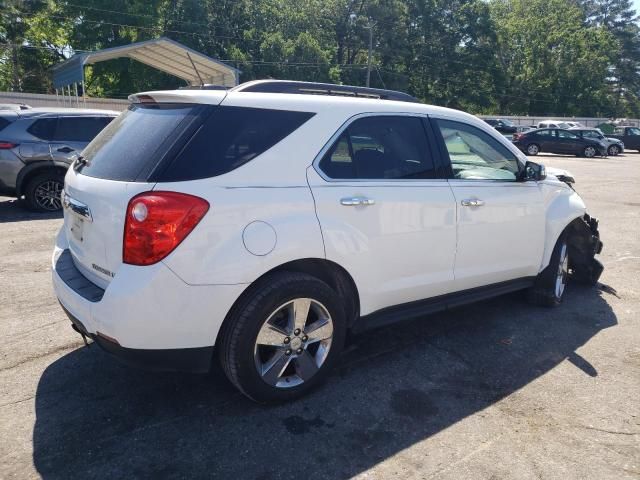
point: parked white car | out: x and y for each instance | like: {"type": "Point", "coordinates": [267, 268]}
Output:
{"type": "Point", "coordinates": [556, 124]}
{"type": "Point", "coordinates": [267, 221]}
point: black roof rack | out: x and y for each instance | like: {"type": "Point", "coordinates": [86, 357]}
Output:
{"type": "Point", "coordinates": [312, 88]}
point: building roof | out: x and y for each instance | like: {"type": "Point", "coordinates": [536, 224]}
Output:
{"type": "Point", "coordinates": [163, 54]}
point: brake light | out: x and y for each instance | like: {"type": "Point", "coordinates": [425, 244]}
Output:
{"type": "Point", "coordinates": [157, 222]}
{"type": "Point", "coordinates": [7, 145]}
{"type": "Point", "coordinates": [517, 136]}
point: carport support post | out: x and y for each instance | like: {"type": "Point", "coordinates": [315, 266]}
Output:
{"type": "Point", "coordinates": [57, 99]}
{"type": "Point", "coordinates": [84, 95]}
{"type": "Point", "coordinates": [69, 94]}
{"type": "Point", "coordinates": [75, 88]}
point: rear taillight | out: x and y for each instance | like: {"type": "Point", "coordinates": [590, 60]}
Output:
{"type": "Point", "coordinates": [517, 136]}
{"type": "Point", "coordinates": [157, 222]}
{"type": "Point", "coordinates": [7, 145]}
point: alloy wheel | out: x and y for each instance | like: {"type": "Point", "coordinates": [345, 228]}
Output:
{"type": "Point", "coordinates": [590, 152]}
{"type": "Point", "coordinates": [563, 272]}
{"type": "Point", "coordinates": [48, 195]}
{"type": "Point", "coordinates": [614, 150]}
{"type": "Point", "coordinates": [293, 343]}
{"type": "Point", "coordinates": [533, 149]}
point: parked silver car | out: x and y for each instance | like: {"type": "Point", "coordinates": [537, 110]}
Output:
{"type": "Point", "coordinates": [614, 145]}
{"type": "Point", "coordinates": [38, 145]}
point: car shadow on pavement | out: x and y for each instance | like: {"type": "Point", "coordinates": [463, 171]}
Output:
{"type": "Point", "coordinates": [394, 387]}
{"type": "Point", "coordinates": [12, 211]}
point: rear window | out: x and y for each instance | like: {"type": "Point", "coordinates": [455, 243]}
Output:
{"type": "Point", "coordinates": [137, 140]}
{"type": "Point", "coordinates": [178, 142]}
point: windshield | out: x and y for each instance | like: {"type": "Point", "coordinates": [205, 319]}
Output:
{"type": "Point", "coordinates": [508, 123]}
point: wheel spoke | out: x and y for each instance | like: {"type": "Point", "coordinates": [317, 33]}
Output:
{"type": "Point", "coordinates": [319, 330]}
{"type": "Point", "coordinates": [306, 366]}
{"type": "Point", "coordinates": [274, 368]}
{"type": "Point", "coordinates": [300, 312]}
{"type": "Point", "coordinates": [271, 335]}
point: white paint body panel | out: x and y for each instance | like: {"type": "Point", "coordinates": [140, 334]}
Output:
{"type": "Point", "coordinates": [398, 250]}
{"type": "Point", "coordinates": [502, 239]}
{"type": "Point", "coordinates": [150, 307]}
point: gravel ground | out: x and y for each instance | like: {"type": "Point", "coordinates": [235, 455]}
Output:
{"type": "Point", "coordinates": [498, 389]}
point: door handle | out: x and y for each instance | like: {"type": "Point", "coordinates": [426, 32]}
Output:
{"type": "Point", "coordinates": [357, 201]}
{"type": "Point", "coordinates": [472, 202]}
{"type": "Point", "coordinates": [66, 149]}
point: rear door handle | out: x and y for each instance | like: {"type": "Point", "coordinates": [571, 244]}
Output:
{"type": "Point", "coordinates": [356, 201]}
{"type": "Point", "coordinates": [472, 202]}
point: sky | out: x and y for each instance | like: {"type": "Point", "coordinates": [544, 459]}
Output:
{"type": "Point", "coordinates": [636, 4]}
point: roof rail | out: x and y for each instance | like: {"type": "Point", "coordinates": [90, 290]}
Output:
{"type": "Point", "coordinates": [206, 86]}
{"type": "Point", "coordinates": [313, 88]}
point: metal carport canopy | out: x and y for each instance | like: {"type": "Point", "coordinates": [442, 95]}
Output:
{"type": "Point", "coordinates": [162, 53]}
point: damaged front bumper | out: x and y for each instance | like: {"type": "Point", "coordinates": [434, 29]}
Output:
{"type": "Point", "coordinates": [584, 244]}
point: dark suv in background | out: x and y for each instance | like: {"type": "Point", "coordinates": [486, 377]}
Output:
{"type": "Point", "coordinates": [38, 145]}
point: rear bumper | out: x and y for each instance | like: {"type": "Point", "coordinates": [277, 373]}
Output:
{"type": "Point", "coordinates": [146, 316]}
{"type": "Point", "coordinates": [193, 360]}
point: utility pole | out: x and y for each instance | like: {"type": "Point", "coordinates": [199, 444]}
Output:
{"type": "Point", "coordinates": [369, 26]}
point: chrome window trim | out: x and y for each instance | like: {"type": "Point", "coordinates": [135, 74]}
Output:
{"type": "Point", "coordinates": [316, 161]}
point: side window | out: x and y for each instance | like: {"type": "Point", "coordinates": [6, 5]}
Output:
{"type": "Point", "coordinates": [79, 129]}
{"type": "Point", "coordinates": [380, 147]}
{"type": "Point", "coordinates": [565, 134]}
{"type": "Point", "coordinates": [618, 131]}
{"type": "Point", "coordinates": [634, 131]}
{"type": "Point", "coordinates": [476, 155]}
{"type": "Point", "coordinates": [44, 129]}
{"type": "Point", "coordinates": [591, 134]}
{"type": "Point", "coordinates": [545, 133]}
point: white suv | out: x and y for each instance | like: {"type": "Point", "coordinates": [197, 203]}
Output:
{"type": "Point", "coordinates": [267, 221]}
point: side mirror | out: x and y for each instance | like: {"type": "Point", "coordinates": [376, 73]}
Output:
{"type": "Point", "coordinates": [534, 172]}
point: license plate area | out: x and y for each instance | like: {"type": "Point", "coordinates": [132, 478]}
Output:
{"type": "Point", "coordinates": [76, 227]}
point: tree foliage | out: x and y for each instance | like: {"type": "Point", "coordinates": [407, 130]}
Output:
{"type": "Point", "coordinates": [563, 57]}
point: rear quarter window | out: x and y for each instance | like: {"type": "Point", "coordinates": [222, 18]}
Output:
{"type": "Point", "coordinates": [79, 129]}
{"type": "Point", "coordinates": [229, 138]}
{"type": "Point", "coordinates": [44, 128]}
{"type": "Point", "coordinates": [3, 123]}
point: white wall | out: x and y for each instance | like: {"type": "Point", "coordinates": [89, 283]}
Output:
{"type": "Point", "coordinates": [41, 100]}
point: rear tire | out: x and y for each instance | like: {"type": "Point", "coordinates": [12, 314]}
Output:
{"type": "Point", "coordinates": [532, 149]}
{"type": "Point", "coordinates": [270, 351]}
{"type": "Point", "coordinates": [43, 191]}
{"type": "Point", "coordinates": [550, 284]}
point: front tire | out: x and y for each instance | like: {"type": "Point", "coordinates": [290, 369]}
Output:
{"type": "Point", "coordinates": [43, 192]}
{"type": "Point", "coordinates": [589, 151]}
{"type": "Point", "coordinates": [613, 150]}
{"type": "Point", "coordinates": [550, 284]}
{"type": "Point", "coordinates": [282, 337]}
